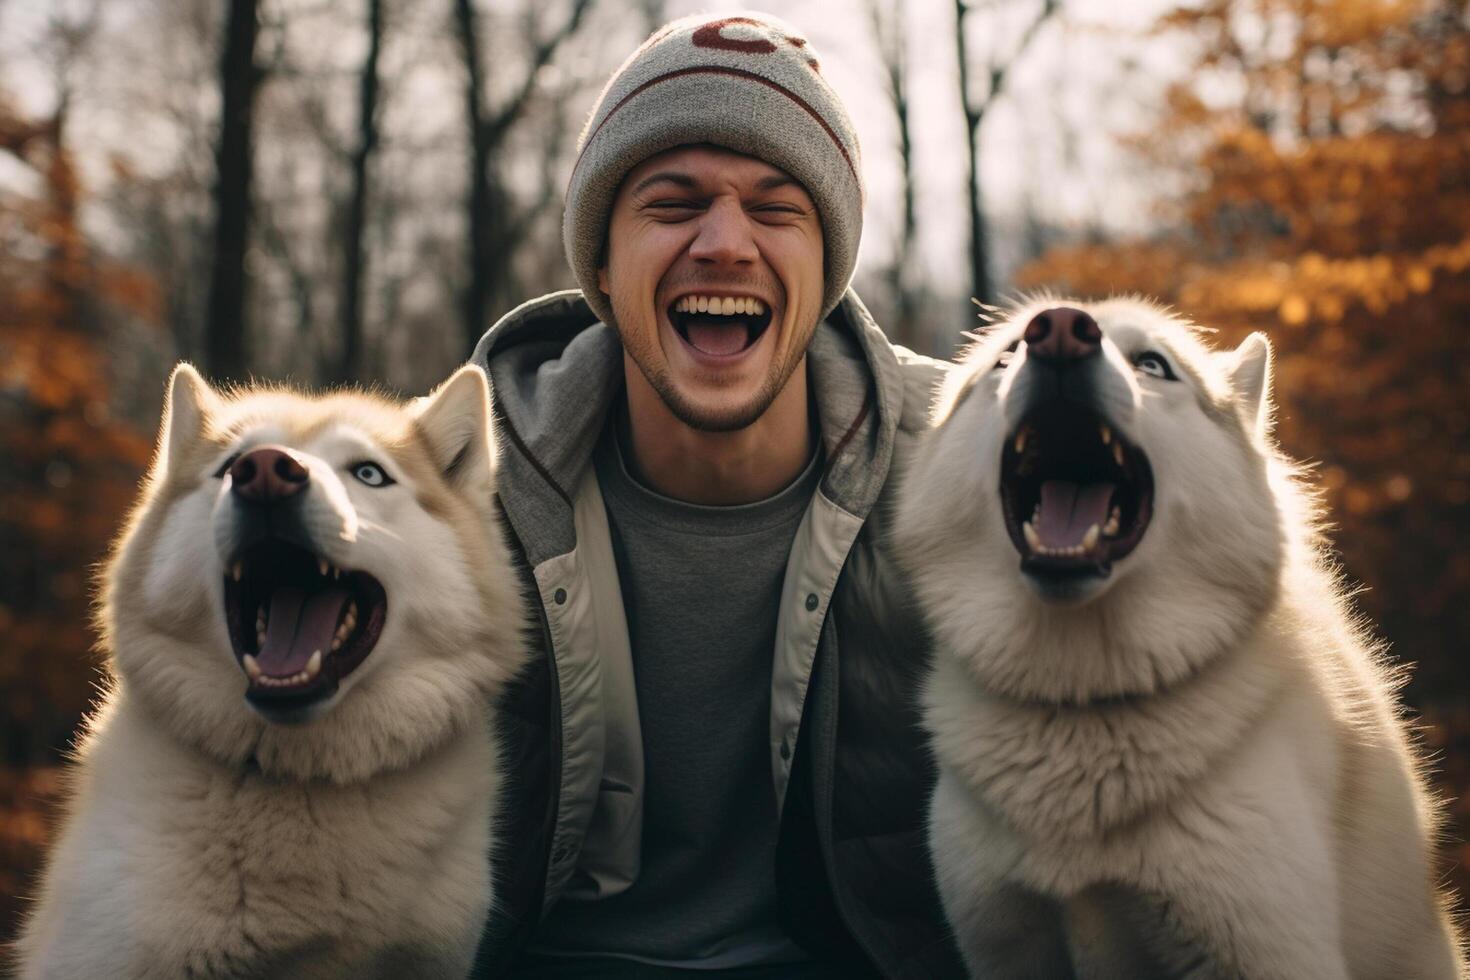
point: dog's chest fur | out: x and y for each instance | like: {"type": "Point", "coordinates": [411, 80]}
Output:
{"type": "Point", "coordinates": [244, 875]}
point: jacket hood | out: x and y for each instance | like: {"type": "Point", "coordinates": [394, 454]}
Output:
{"type": "Point", "coordinates": [555, 369]}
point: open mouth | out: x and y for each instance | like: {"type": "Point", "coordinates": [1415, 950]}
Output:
{"type": "Point", "coordinates": [298, 624]}
{"type": "Point", "coordinates": [720, 326]}
{"type": "Point", "coordinates": [1076, 496]}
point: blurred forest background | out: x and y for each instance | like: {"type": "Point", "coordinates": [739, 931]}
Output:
{"type": "Point", "coordinates": [333, 190]}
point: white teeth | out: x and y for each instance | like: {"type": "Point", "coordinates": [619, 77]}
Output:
{"type": "Point", "coordinates": [1106, 433]}
{"type": "Point", "coordinates": [1032, 539]}
{"type": "Point", "coordinates": [1089, 540]}
{"type": "Point", "coordinates": [1118, 453]}
{"type": "Point", "coordinates": [236, 571]}
{"type": "Point", "coordinates": [322, 566]}
{"type": "Point", "coordinates": [722, 305]}
{"type": "Point", "coordinates": [1021, 441]}
{"type": "Point", "coordinates": [1114, 520]}
{"type": "Point", "coordinates": [314, 665]}
{"type": "Point", "coordinates": [252, 667]}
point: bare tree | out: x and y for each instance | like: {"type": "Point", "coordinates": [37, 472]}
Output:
{"type": "Point", "coordinates": [225, 343]}
{"type": "Point", "coordinates": [976, 105]}
{"type": "Point", "coordinates": [891, 37]}
{"type": "Point", "coordinates": [492, 226]}
{"type": "Point", "coordinates": [349, 364]}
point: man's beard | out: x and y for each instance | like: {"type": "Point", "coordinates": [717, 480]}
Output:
{"type": "Point", "coordinates": [731, 419]}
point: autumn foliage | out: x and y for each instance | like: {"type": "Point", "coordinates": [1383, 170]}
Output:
{"type": "Point", "coordinates": [1328, 203]}
{"type": "Point", "coordinates": [69, 473]}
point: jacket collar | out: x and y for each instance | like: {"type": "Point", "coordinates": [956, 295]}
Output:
{"type": "Point", "coordinates": [555, 370]}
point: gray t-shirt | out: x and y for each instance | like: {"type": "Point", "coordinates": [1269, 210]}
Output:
{"type": "Point", "coordinates": [701, 586]}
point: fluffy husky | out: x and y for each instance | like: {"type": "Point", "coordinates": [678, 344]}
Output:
{"type": "Point", "coordinates": [1165, 748]}
{"type": "Point", "coordinates": [292, 773]}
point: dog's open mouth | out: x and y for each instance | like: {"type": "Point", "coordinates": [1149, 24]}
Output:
{"type": "Point", "coordinates": [720, 326]}
{"type": "Point", "coordinates": [298, 624]}
{"type": "Point", "coordinates": [1076, 496]}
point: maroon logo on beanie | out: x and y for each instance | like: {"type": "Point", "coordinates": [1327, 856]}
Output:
{"type": "Point", "coordinates": [711, 36]}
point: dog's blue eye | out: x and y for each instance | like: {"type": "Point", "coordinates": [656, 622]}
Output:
{"type": "Point", "coordinates": [372, 474]}
{"type": "Point", "coordinates": [1154, 365]}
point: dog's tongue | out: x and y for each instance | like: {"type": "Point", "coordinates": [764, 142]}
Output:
{"type": "Point", "coordinates": [1069, 509]}
{"type": "Point", "coordinates": [714, 337]}
{"type": "Point", "coordinates": [299, 624]}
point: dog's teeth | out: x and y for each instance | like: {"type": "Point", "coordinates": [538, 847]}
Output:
{"type": "Point", "coordinates": [236, 571]}
{"type": "Point", "coordinates": [336, 573]}
{"type": "Point", "coordinates": [322, 566]}
{"type": "Point", "coordinates": [1114, 520]}
{"type": "Point", "coordinates": [1118, 452]}
{"type": "Point", "coordinates": [314, 665]}
{"type": "Point", "coordinates": [252, 667]}
{"type": "Point", "coordinates": [1089, 540]}
{"type": "Point", "coordinates": [1020, 444]}
{"type": "Point", "coordinates": [1106, 433]}
{"type": "Point", "coordinates": [1031, 536]}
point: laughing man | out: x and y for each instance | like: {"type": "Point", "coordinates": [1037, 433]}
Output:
{"type": "Point", "coordinates": [716, 764]}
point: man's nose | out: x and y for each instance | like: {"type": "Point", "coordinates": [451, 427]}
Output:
{"type": "Point", "coordinates": [724, 236]}
{"type": "Point", "coordinates": [1063, 334]}
{"type": "Point", "coordinates": [267, 474]}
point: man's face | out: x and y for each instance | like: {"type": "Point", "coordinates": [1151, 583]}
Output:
{"type": "Point", "coordinates": [697, 231]}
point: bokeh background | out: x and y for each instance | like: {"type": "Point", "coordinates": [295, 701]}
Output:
{"type": "Point", "coordinates": [335, 190]}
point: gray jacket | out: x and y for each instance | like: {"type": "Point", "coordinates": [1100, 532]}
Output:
{"type": "Point", "coordinates": [851, 784]}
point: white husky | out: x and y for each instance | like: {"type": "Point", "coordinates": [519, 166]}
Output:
{"type": "Point", "coordinates": [1165, 748]}
{"type": "Point", "coordinates": [292, 774]}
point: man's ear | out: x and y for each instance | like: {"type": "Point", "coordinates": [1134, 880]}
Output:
{"type": "Point", "coordinates": [1250, 381]}
{"type": "Point", "coordinates": [186, 410]}
{"type": "Point", "coordinates": [455, 422]}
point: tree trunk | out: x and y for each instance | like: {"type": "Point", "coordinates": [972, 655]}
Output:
{"type": "Point", "coordinates": [999, 71]}
{"type": "Point", "coordinates": [494, 232]}
{"type": "Point", "coordinates": [350, 364]}
{"type": "Point", "coordinates": [225, 347]}
{"type": "Point", "coordinates": [979, 264]}
{"type": "Point", "coordinates": [475, 293]}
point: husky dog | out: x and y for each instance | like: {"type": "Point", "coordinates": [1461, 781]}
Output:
{"type": "Point", "coordinates": [292, 772]}
{"type": "Point", "coordinates": [1165, 747]}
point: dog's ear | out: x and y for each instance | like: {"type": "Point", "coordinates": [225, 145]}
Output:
{"type": "Point", "coordinates": [455, 421]}
{"type": "Point", "coordinates": [1250, 380]}
{"type": "Point", "coordinates": [186, 410]}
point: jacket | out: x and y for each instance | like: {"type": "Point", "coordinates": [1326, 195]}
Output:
{"type": "Point", "coordinates": [849, 763]}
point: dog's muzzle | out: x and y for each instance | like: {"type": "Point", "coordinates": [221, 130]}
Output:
{"type": "Point", "coordinates": [298, 623]}
{"type": "Point", "coordinates": [1076, 495]}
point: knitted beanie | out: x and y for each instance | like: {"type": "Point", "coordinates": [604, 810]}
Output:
{"type": "Point", "coordinates": [748, 83]}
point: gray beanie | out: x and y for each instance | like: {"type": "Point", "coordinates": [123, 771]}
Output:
{"type": "Point", "coordinates": [748, 83]}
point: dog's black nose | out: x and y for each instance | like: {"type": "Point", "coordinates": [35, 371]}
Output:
{"type": "Point", "coordinates": [1063, 334]}
{"type": "Point", "coordinates": [267, 474]}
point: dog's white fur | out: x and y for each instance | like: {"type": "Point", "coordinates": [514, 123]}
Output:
{"type": "Point", "coordinates": [202, 840]}
{"type": "Point", "coordinates": [1198, 769]}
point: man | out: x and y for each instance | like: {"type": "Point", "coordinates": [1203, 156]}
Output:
{"type": "Point", "coordinates": [716, 764]}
